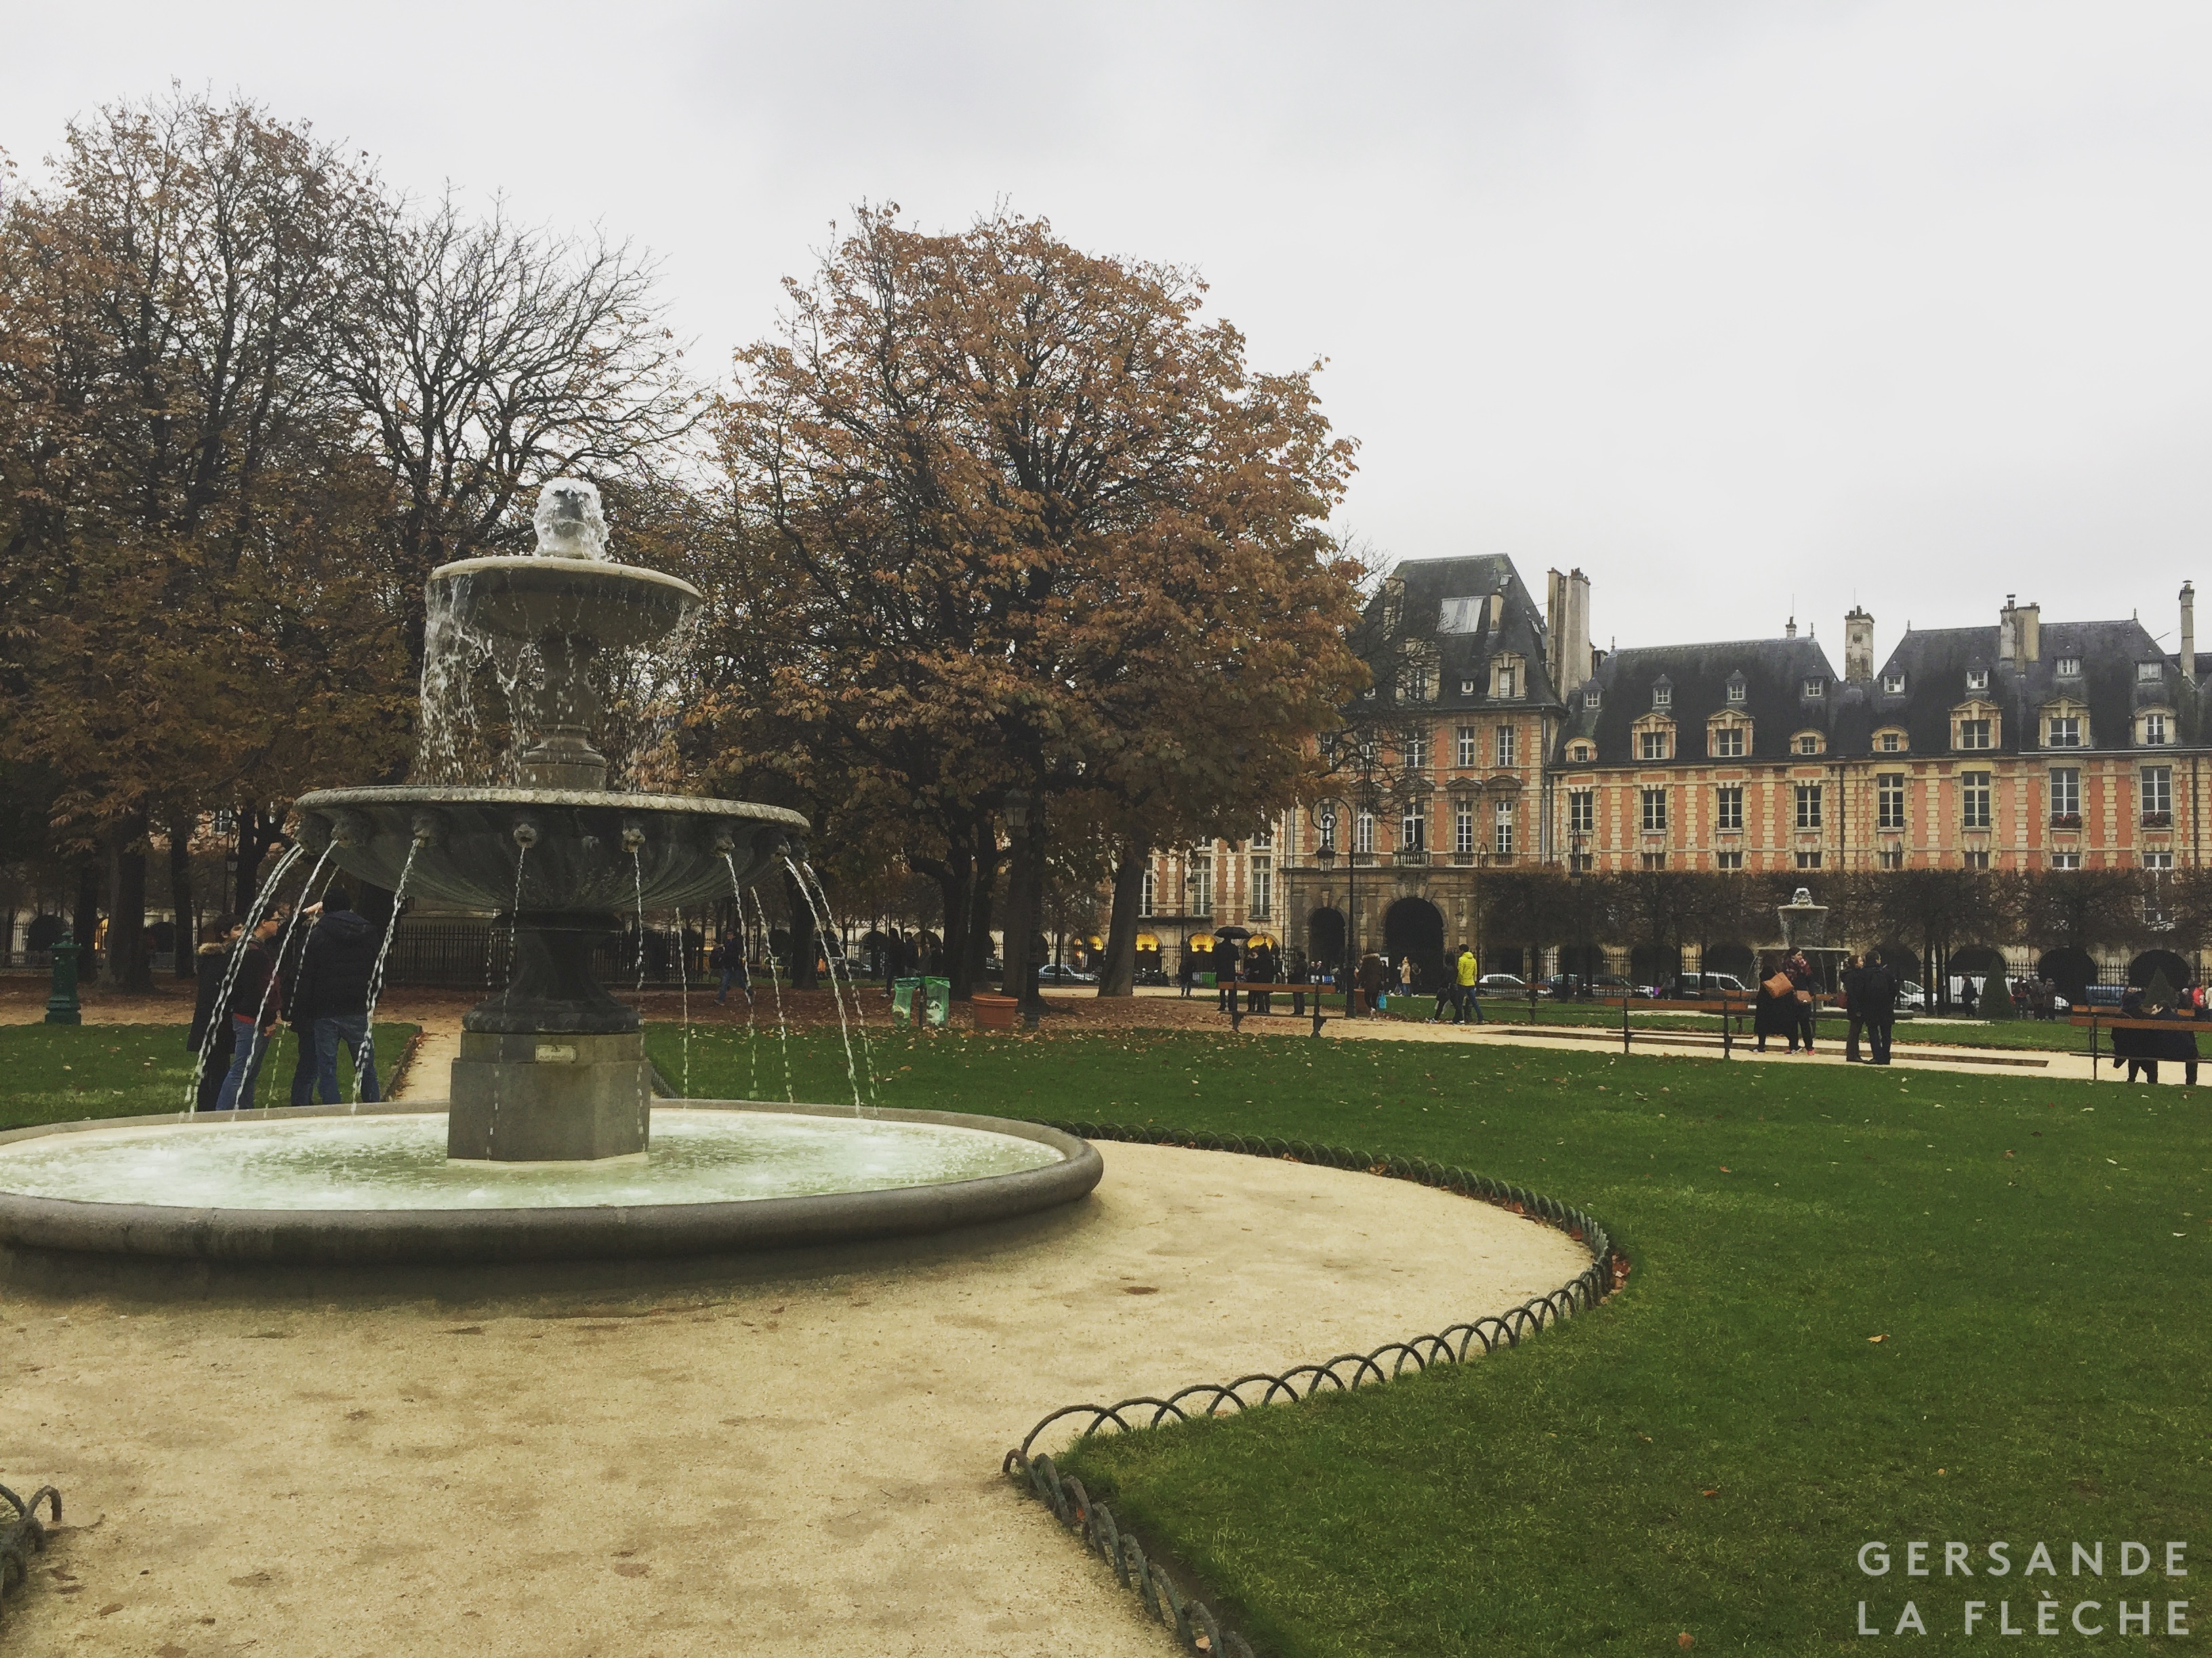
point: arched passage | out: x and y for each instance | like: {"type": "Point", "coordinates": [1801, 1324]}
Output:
{"type": "Point", "coordinates": [1414, 927]}
{"type": "Point", "coordinates": [1325, 937]}
{"type": "Point", "coordinates": [1654, 963]}
{"type": "Point", "coordinates": [2071, 969]}
{"type": "Point", "coordinates": [1735, 959]}
{"type": "Point", "coordinates": [2164, 963]}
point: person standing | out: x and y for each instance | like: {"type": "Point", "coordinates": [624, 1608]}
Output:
{"type": "Point", "coordinates": [1879, 992]}
{"type": "Point", "coordinates": [1801, 1002]}
{"type": "Point", "coordinates": [217, 939]}
{"type": "Point", "coordinates": [1855, 971]}
{"type": "Point", "coordinates": [332, 996]}
{"type": "Point", "coordinates": [253, 1008]}
{"type": "Point", "coordinates": [1463, 971]}
{"type": "Point", "coordinates": [728, 960]}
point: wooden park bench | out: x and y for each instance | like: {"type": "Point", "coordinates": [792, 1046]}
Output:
{"type": "Point", "coordinates": [2094, 1020]}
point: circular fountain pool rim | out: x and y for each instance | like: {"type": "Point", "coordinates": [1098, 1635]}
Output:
{"type": "Point", "coordinates": [379, 1237]}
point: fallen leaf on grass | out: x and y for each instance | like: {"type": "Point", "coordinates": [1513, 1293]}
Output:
{"type": "Point", "coordinates": [112, 1605]}
{"type": "Point", "coordinates": [1711, 1491]}
{"type": "Point", "coordinates": [1685, 1640]}
{"type": "Point", "coordinates": [1884, 1337]}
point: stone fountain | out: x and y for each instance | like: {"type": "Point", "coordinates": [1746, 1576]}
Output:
{"type": "Point", "coordinates": [547, 1149]}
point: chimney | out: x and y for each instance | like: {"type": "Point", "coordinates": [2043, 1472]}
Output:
{"type": "Point", "coordinates": [1496, 609]}
{"type": "Point", "coordinates": [2031, 633]}
{"type": "Point", "coordinates": [1566, 626]}
{"type": "Point", "coordinates": [2189, 633]}
{"type": "Point", "coordinates": [1790, 629]}
{"type": "Point", "coordinates": [2009, 630]}
{"type": "Point", "coordinates": [1858, 647]}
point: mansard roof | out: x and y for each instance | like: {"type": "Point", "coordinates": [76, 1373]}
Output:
{"type": "Point", "coordinates": [1424, 586]}
{"type": "Point", "coordinates": [1774, 672]}
{"type": "Point", "coordinates": [1935, 663]}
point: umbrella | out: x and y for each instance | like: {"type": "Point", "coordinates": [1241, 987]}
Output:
{"type": "Point", "coordinates": [1232, 933]}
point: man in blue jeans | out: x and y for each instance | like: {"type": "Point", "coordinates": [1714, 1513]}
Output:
{"type": "Point", "coordinates": [252, 1010]}
{"type": "Point", "coordinates": [331, 995]}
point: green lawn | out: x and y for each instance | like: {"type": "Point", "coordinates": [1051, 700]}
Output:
{"type": "Point", "coordinates": [63, 1073]}
{"type": "Point", "coordinates": [1933, 1032]}
{"type": "Point", "coordinates": [1706, 1453]}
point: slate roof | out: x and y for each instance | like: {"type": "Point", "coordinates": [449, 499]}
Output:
{"type": "Point", "coordinates": [1935, 662]}
{"type": "Point", "coordinates": [1774, 672]}
{"type": "Point", "coordinates": [1427, 584]}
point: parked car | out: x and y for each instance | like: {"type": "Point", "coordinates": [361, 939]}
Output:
{"type": "Point", "coordinates": [1502, 985]}
{"type": "Point", "coordinates": [1694, 987]}
{"type": "Point", "coordinates": [1912, 999]}
{"type": "Point", "coordinates": [1056, 973]}
{"type": "Point", "coordinates": [1151, 975]}
{"type": "Point", "coordinates": [1568, 985]}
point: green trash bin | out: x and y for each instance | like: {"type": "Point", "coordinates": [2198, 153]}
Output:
{"type": "Point", "coordinates": [936, 1001]}
{"type": "Point", "coordinates": [902, 991]}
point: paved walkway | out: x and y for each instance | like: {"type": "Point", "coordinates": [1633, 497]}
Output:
{"type": "Point", "coordinates": [804, 1461]}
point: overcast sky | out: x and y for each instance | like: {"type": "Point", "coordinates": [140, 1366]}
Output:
{"type": "Point", "coordinates": [1737, 307]}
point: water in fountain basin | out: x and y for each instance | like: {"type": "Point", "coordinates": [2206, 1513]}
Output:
{"type": "Point", "coordinates": [829, 957]}
{"type": "Point", "coordinates": [398, 1162]}
{"type": "Point", "coordinates": [220, 1016]}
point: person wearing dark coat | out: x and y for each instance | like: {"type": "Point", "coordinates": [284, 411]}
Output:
{"type": "Point", "coordinates": [1771, 1016]}
{"type": "Point", "coordinates": [1855, 971]}
{"type": "Point", "coordinates": [1878, 993]}
{"type": "Point", "coordinates": [1800, 1000]}
{"type": "Point", "coordinates": [331, 996]}
{"type": "Point", "coordinates": [2178, 1045]}
{"type": "Point", "coordinates": [254, 1005]}
{"type": "Point", "coordinates": [1373, 979]}
{"type": "Point", "coordinates": [217, 939]}
{"type": "Point", "coordinates": [2139, 1049]}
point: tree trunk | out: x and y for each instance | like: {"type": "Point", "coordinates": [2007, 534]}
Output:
{"type": "Point", "coordinates": [85, 924]}
{"type": "Point", "coordinates": [1118, 976]}
{"type": "Point", "coordinates": [125, 964]}
{"type": "Point", "coordinates": [803, 976]}
{"type": "Point", "coordinates": [953, 877]}
{"type": "Point", "coordinates": [180, 894]}
{"type": "Point", "coordinates": [1019, 929]}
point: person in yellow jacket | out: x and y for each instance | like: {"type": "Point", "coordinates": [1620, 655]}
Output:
{"type": "Point", "coordinates": [1463, 973]}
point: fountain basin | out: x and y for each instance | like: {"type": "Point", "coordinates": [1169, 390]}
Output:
{"type": "Point", "coordinates": [581, 841]}
{"type": "Point", "coordinates": [319, 1186]}
{"type": "Point", "coordinates": [527, 596]}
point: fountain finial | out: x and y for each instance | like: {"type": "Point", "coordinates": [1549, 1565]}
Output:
{"type": "Point", "coordinates": [569, 520]}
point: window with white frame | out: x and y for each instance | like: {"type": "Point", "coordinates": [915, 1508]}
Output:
{"type": "Point", "coordinates": [1463, 827]}
{"type": "Point", "coordinates": [1148, 901]}
{"type": "Point", "coordinates": [1466, 687]}
{"type": "Point", "coordinates": [1501, 842]}
{"type": "Point", "coordinates": [2069, 668]}
{"type": "Point", "coordinates": [1974, 733]}
{"type": "Point", "coordinates": [1197, 884]}
{"type": "Point", "coordinates": [1413, 746]}
{"type": "Point", "coordinates": [1413, 827]}
{"type": "Point", "coordinates": [1809, 859]}
{"type": "Point", "coordinates": [1892, 685]}
{"type": "Point", "coordinates": [1593, 698]}
{"type": "Point", "coordinates": [1973, 799]}
{"type": "Point", "coordinates": [1581, 810]}
{"type": "Point", "coordinates": [1808, 806]}
{"type": "Point", "coordinates": [1728, 860]}
{"type": "Point", "coordinates": [1509, 681]}
{"type": "Point", "coordinates": [1738, 691]}
{"type": "Point", "coordinates": [1662, 695]}
{"type": "Point", "coordinates": [1727, 742]}
{"type": "Point", "coordinates": [1509, 742]}
{"type": "Point", "coordinates": [1470, 747]}
{"type": "Point", "coordinates": [2065, 731]}
{"type": "Point", "coordinates": [1263, 890]}
{"type": "Point", "coordinates": [2065, 794]}
{"type": "Point", "coordinates": [2156, 733]}
{"type": "Point", "coordinates": [2158, 861]}
{"type": "Point", "coordinates": [2149, 673]}
{"type": "Point", "coordinates": [1263, 838]}
{"type": "Point", "coordinates": [2065, 860]}
{"type": "Point", "coordinates": [1973, 859]}
{"type": "Point", "coordinates": [2158, 794]}
{"type": "Point", "coordinates": [1890, 742]}
{"type": "Point", "coordinates": [1652, 743]}
{"type": "Point", "coordinates": [1977, 679]}
{"type": "Point", "coordinates": [1728, 808]}
{"type": "Point", "coordinates": [1655, 860]}
{"type": "Point", "coordinates": [1890, 857]}
{"type": "Point", "coordinates": [1363, 831]}
{"type": "Point", "coordinates": [1816, 687]}
{"type": "Point", "coordinates": [1889, 799]}
{"type": "Point", "coordinates": [1809, 744]}
{"type": "Point", "coordinates": [1654, 811]}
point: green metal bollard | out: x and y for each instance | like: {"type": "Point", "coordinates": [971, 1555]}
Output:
{"type": "Point", "coordinates": [61, 1003]}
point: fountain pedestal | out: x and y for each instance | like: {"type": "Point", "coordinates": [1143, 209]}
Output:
{"type": "Point", "coordinates": [550, 1097]}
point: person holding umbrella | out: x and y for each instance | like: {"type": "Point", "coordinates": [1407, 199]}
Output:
{"type": "Point", "coordinates": [1226, 942]}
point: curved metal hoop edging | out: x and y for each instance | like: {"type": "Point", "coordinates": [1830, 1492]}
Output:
{"type": "Point", "coordinates": [21, 1535]}
{"type": "Point", "coordinates": [1194, 1624]}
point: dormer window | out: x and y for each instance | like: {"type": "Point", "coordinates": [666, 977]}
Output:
{"type": "Point", "coordinates": [2149, 673]}
{"type": "Point", "coordinates": [2155, 731]}
{"type": "Point", "coordinates": [1507, 682]}
{"type": "Point", "coordinates": [1466, 687]}
{"type": "Point", "coordinates": [1580, 751]}
{"type": "Point", "coordinates": [1808, 743]}
{"type": "Point", "coordinates": [1593, 698]}
{"type": "Point", "coordinates": [1889, 742]}
{"type": "Point", "coordinates": [1816, 687]}
{"type": "Point", "coordinates": [1892, 685]}
{"type": "Point", "coordinates": [1737, 690]}
{"type": "Point", "coordinates": [2069, 668]}
{"type": "Point", "coordinates": [1459, 616]}
{"type": "Point", "coordinates": [2065, 731]}
{"type": "Point", "coordinates": [1662, 695]}
{"type": "Point", "coordinates": [1977, 679]}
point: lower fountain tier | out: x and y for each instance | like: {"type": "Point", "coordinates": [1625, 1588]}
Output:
{"type": "Point", "coordinates": [550, 1097]}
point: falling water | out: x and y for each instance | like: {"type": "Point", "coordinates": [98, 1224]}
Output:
{"type": "Point", "coordinates": [752, 1041]}
{"type": "Point", "coordinates": [376, 973]}
{"type": "Point", "coordinates": [860, 1012]}
{"type": "Point", "coordinates": [513, 932]}
{"type": "Point", "coordinates": [776, 982]}
{"type": "Point", "coordinates": [221, 1013]}
{"type": "Point", "coordinates": [683, 990]}
{"type": "Point", "coordinates": [637, 876]}
{"type": "Point", "coordinates": [852, 1077]}
{"type": "Point", "coordinates": [308, 893]}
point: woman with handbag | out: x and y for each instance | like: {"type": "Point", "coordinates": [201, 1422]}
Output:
{"type": "Point", "coordinates": [1801, 1002]}
{"type": "Point", "coordinates": [1773, 1011]}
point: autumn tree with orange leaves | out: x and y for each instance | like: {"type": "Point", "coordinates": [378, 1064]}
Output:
{"type": "Point", "coordinates": [1010, 522]}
